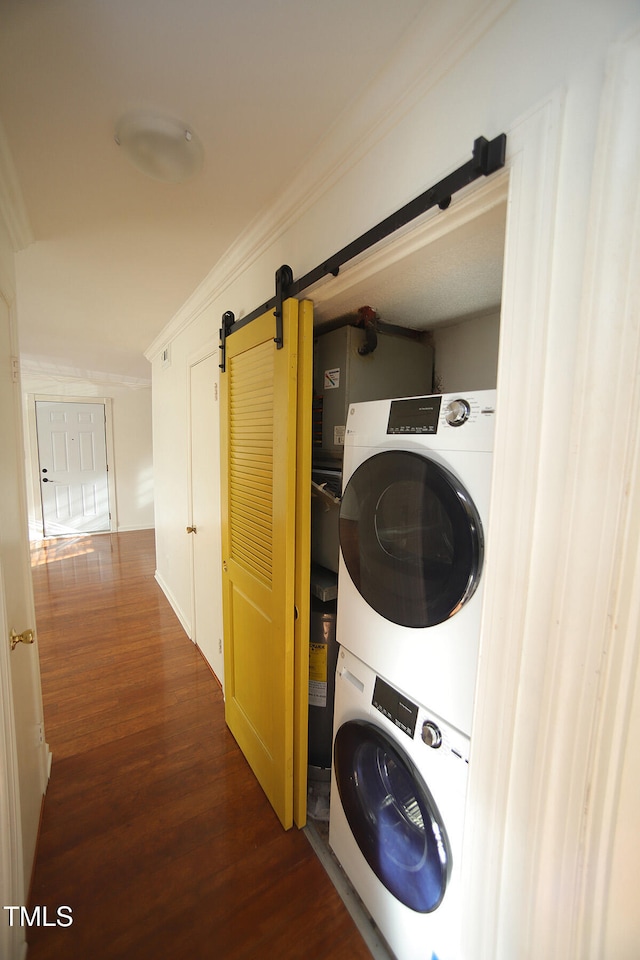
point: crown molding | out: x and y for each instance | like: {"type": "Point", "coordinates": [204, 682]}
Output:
{"type": "Point", "coordinates": [438, 39]}
{"type": "Point", "coordinates": [32, 366]}
{"type": "Point", "coordinates": [12, 207]}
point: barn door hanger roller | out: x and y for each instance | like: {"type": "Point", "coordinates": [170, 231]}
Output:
{"type": "Point", "coordinates": [488, 156]}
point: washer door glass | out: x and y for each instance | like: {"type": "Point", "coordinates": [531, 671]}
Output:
{"type": "Point", "coordinates": [411, 538]}
{"type": "Point", "coordinates": [392, 815]}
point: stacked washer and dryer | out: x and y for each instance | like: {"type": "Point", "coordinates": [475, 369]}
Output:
{"type": "Point", "coordinates": [412, 526]}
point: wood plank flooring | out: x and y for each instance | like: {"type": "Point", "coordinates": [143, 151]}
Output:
{"type": "Point", "coordinates": [154, 830]}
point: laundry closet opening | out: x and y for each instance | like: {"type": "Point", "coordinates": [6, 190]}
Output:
{"type": "Point", "coordinates": [433, 296]}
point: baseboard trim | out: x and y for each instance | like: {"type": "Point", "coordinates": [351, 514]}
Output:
{"type": "Point", "coordinates": [124, 528]}
{"type": "Point", "coordinates": [185, 621]}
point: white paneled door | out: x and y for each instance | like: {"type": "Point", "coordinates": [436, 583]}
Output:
{"type": "Point", "coordinates": [205, 508]}
{"type": "Point", "coordinates": [72, 454]}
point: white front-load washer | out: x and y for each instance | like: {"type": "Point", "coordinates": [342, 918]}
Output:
{"type": "Point", "coordinates": [413, 517]}
{"type": "Point", "coordinates": [398, 787]}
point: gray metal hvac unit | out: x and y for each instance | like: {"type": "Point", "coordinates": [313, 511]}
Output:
{"type": "Point", "coordinates": [400, 365]}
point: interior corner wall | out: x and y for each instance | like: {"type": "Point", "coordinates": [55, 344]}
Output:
{"type": "Point", "coordinates": [7, 265]}
{"type": "Point", "coordinates": [466, 354]}
{"type": "Point", "coordinates": [132, 441]}
{"type": "Point", "coordinates": [132, 448]}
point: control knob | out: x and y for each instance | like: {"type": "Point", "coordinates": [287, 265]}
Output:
{"type": "Point", "coordinates": [431, 734]}
{"type": "Point", "coordinates": [457, 412]}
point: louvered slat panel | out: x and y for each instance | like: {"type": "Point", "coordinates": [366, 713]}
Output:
{"type": "Point", "coordinates": [251, 461]}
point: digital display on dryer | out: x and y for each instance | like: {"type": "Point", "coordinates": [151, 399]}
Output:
{"type": "Point", "coordinates": [418, 415]}
{"type": "Point", "coordinates": [395, 707]}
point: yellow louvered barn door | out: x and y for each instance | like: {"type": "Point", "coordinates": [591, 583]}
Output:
{"type": "Point", "coordinates": [266, 453]}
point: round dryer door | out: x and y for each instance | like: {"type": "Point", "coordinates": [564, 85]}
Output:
{"type": "Point", "coordinates": [392, 815]}
{"type": "Point", "coordinates": [411, 538]}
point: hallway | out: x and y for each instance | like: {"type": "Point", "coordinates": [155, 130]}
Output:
{"type": "Point", "coordinates": [155, 832]}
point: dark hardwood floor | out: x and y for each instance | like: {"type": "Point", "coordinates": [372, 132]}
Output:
{"type": "Point", "coordinates": [155, 832]}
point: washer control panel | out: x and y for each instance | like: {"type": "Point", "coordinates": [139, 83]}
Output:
{"type": "Point", "coordinates": [431, 734]}
{"type": "Point", "coordinates": [416, 723]}
{"type": "Point", "coordinates": [395, 706]}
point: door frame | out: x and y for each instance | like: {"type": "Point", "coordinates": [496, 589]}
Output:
{"type": "Point", "coordinates": [12, 881]}
{"type": "Point", "coordinates": [36, 519]}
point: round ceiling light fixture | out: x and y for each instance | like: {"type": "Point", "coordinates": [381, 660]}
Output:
{"type": "Point", "coordinates": [160, 147]}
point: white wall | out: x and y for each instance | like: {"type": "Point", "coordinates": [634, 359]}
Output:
{"type": "Point", "coordinates": [171, 475]}
{"type": "Point", "coordinates": [132, 465]}
{"type": "Point", "coordinates": [538, 72]}
{"type": "Point", "coordinates": [466, 354]}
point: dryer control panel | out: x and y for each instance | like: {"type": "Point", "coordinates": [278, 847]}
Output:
{"type": "Point", "coordinates": [448, 421]}
{"type": "Point", "coordinates": [419, 415]}
{"type": "Point", "coordinates": [427, 416]}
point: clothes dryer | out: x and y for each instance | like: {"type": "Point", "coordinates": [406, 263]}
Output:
{"type": "Point", "coordinates": [398, 790]}
{"type": "Point", "coordinates": [413, 519]}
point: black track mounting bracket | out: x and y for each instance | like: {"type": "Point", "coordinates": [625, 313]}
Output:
{"type": "Point", "coordinates": [284, 279]}
{"type": "Point", "coordinates": [228, 319]}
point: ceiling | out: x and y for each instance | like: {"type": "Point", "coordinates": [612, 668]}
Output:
{"type": "Point", "coordinates": [114, 253]}
{"type": "Point", "coordinates": [440, 280]}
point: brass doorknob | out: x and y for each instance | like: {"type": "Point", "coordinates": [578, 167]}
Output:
{"type": "Point", "coordinates": [191, 530]}
{"type": "Point", "coordinates": [26, 636]}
